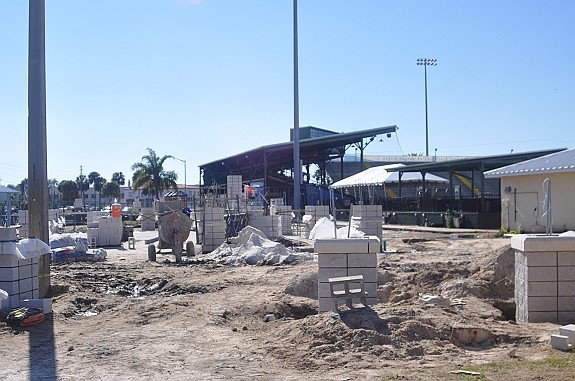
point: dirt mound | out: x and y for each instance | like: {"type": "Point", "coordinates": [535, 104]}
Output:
{"type": "Point", "coordinates": [304, 284]}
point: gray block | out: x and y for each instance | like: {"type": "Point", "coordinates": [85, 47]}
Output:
{"type": "Point", "coordinates": [566, 303]}
{"type": "Point", "coordinates": [332, 260]}
{"type": "Point", "coordinates": [569, 331]}
{"type": "Point", "coordinates": [566, 288]}
{"type": "Point", "coordinates": [369, 274]}
{"type": "Point", "coordinates": [541, 317]}
{"type": "Point", "coordinates": [542, 274]}
{"type": "Point", "coordinates": [362, 260]}
{"type": "Point", "coordinates": [566, 258]}
{"type": "Point", "coordinates": [542, 258]}
{"type": "Point", "coordinates": [541, 304]}
{"type": "Point", "coordinates": [542, 289]}
{"type": "Point", "coordinates": [566, 273]}
{"type": "Point", "coordinates": [325, 273]}
{"type": "Point", "coordinates": [560, 342]}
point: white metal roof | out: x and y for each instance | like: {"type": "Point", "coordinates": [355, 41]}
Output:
{"type": "Point", "coordinates": [379, 175]}
{"type": "Point", "coordinates": [558, 162]}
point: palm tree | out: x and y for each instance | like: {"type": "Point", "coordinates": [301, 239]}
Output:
{"type": "Point", "coordinates": [83, 186]}
{"type": "Point", "coordinates": [149, 175]}
{"type": "Point", "coordinates": [118, 177]}
{"type": "Point", "coordinates": [98, 181]}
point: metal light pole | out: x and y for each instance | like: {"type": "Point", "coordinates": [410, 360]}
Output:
{"type": "Point", "coordinates": [296, 159]}
{"type": "Point", "coordinates": [426, 62]}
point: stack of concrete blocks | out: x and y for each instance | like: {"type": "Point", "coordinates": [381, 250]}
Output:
{"type": "Point", "coordinates": [316, 212]}
{"type": "Point", "coordinates": [544, 278]}
{"type": "Point", "coordinates": [108, 232]}
{"type": "Point", "coordinates": [346, 257]}
{"type": "Point", "coordinates": [214, 228]}
{"type": "Point", "coordinates": [271, 226]}
{"type": "Point", "coordinates": [24, 221]}
{"type": "Point", "coordinates": [234, 192]}
{"type": "Point", "coordinates": [277, 207]}
{"type": "Point", "coordinates": [18, 277]}
{"type": "Point", "coordinates": [368, 219]}
{"type": "Point", "coordinates": [148, 219]}
{"type": "Point", "coordinates": [92, 216]}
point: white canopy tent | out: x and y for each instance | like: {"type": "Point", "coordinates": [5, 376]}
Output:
{"type": "Point", "coordinates": [380, 176]}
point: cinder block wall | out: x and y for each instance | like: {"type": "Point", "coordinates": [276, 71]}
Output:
{"type": "Point", "coordinates": [369, 219]}
{"type": "Point", "coordinates": [214, 228]}
{"type": "Point", "coordinates": [234, 186]}
{"type": "Point", "coordinates": [24, 220]}
{"type": "Point", "coordinates": [346, 257]}
{"type": "Point", "coordinates": [544, 278]}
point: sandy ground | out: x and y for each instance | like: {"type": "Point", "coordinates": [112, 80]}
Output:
{"type": "Point", "coordinates": [130, 319]}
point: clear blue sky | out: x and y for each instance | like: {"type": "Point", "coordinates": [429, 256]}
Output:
{"type": "Point", "coordinates": [205, 79]}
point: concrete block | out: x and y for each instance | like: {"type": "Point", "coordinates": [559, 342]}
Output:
{"type": "Point", "coordinates": [362, 260]}
{"type": "Point", "coordinates": [352, 245]}
{"type": "Point", "coordinates": [542, 289]}
{"type": "Point", "coordinates": [560, 342]}
{"type": "Point", "coordinates": [540, 317]}
{"type": "Point", "coordinates": [43, 304]}
{"type": "Point", "coordinates": [566, 303]}
{"type": "Point", "coordinates": [13, 301]}
{"type": "Point", "coordinates": [369, 274]}
{"type": "Point", "coordinates": [10, 287]}
{"type": "Point", "coordinates": [566, 273]}
{"type": "Point", "coordinates": [325, 273]}
{"type": "Point", "coordinates": [532, 243]}
{"type": "Point", "coordinates": [566, 288]}
{"type": "Point", "coordinates": [25, 271]}
{"type": "Point", "coordinates": [325, 304]}
{"type": "Point", "coordinates": [8, 260]}
{"type": "Point", "coordinates": [566, 258]}
{"type": "Point", "coordinates": [8, 234]}
{"type": "Point", "coordinates": [25, 285]}
{"type": "Point", "coordinates": [542, 258]}
{"type": "Point", "coordinates": [541, 303]}
{"type": "Point", "coordinates": [332, 260]}
{"type": "Point", "coordinates": [374, 244]}
{"type": "Point", "coordinates": [542, 274]}
{"type": "Point", "coordinates": [8, 274]}
{"type": "Point", "coordinates": [569, 331]}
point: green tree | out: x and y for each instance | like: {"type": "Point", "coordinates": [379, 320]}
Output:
{"type": "Point", "coordinates": [111, 189]}
{"type": "Point", "coordinates": [83, 185]}
{"type": "Point", "coordinates": [23, 188]}
{"type": "Point", "coordinates": [149, 175]}
{"type": "Point", "coordinates": [98, 181]}
{"type": "Point", "coordinates": [69, 190]}
{"type": "Point", "coordinates": [118, 177]}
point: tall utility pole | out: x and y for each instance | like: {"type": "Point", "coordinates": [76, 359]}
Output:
{"type": "Point", "coordinates": [296, 159]}
{"type": "Point", "coordinates": [37, 145]}
{"type": "Point", "coordinates": [426, 62]}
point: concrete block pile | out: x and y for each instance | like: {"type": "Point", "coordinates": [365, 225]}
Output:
{"type": "Point", "coordinates": [277, 207]}
{"type": "Point", "coordinates": [368, 219]}
{"type": "Point", "coordinates": [24, 221]}
{"type": "Point", "coordinates": [271, 226]}
{"type": "Point", "coordinates": [18, 277]}
{"type": "Point", "coordinates": [346, 257]}
{"type": "Point", "coordinates": [213, 228]}
{"type": "Point", "coordinates": [108, 232]}
{"type": "Point", "coordinates": [544, 278]}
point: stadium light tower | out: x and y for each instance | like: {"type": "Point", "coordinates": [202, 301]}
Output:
{"type": "Point", "coordinates": [426, 62]}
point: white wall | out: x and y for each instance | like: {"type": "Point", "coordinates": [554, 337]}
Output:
{"type": "Point", "coordinates": [521, 205]}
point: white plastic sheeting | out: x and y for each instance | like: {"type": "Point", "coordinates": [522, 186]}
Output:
{"type": "Point", "coordinates": [251, 247]}
{"type": "Point", "coordinates": [25, 248]}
